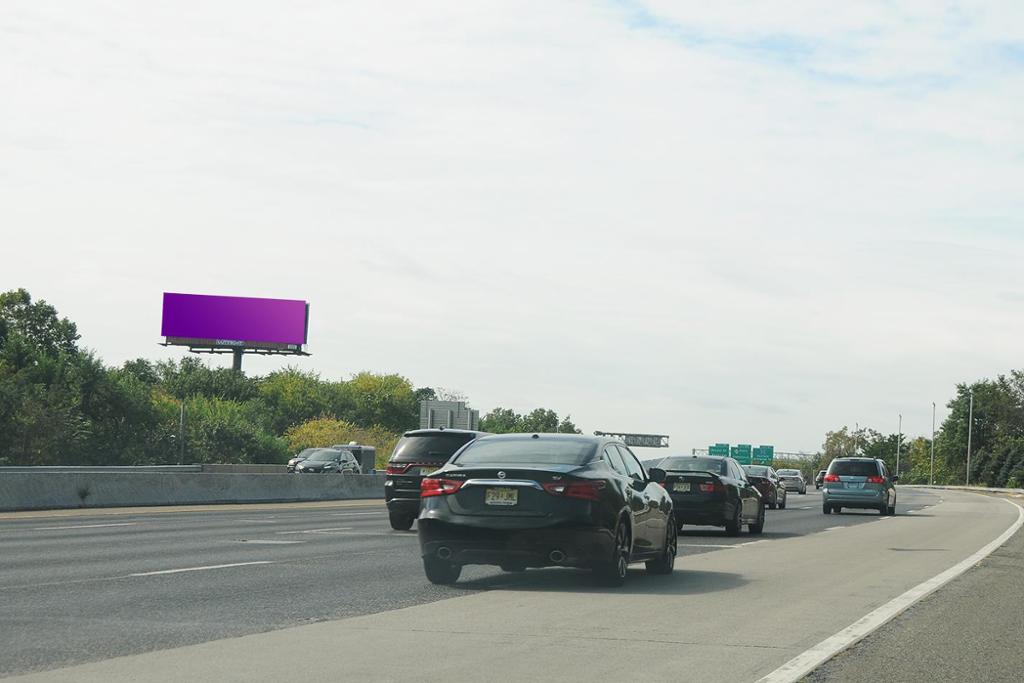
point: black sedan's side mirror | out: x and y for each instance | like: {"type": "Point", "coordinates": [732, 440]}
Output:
{"type": "Point", "coordinates": [657, 475]}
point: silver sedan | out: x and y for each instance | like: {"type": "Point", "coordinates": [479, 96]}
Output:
{"type": "Point", "coordinates": [792, 480]}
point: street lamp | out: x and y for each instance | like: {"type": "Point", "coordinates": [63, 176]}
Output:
{"type": "Point", "coordinates": [899, 438]}
{"type": "Point", "coordinates": [931, 476]}
{"type": "Point", "coordinates": [970, 429]}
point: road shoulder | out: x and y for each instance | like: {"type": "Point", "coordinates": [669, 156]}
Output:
{"type": "Point", "coordinates": [968, 630]}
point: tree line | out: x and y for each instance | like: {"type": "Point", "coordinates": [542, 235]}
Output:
{"type": "Point", "coordinates": [61, 405]}
{"type": "Point", "coordinates": [997, 439]}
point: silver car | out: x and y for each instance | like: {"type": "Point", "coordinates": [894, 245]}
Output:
{"type": "Point", "coordinates": [792, 480]}
{"type": "Point", "coordinates": [859, 483]}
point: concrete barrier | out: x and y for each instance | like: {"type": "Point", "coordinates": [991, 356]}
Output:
{"type": "Point", "coordinates": [55, 490]}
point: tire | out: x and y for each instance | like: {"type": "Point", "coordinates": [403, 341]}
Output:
{"type": "Point", "coordinates": [883, 509]}
{"type": "Point", "coordinates": [773, 505]}
{"type": "Point", "coordinates": [666, 563]}
{"type": "Point", "coordinates": [826, 509]}
{"type": "Point", "coordinates": [758, 526]}
{"type": "Point", "coordinates": [400, 522]}
{"type": "Point", "coordinates": [612, 571]}
{"type": "Point", "coordinates": [892, 510]}
{"type": "Point", "coordinates": [733, 526]}
{"type": "Point", "coordinates": [782, 505]}
{"type": "Point", "coordinates": [440, 572]}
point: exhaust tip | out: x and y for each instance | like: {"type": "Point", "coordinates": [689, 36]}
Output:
{"type": "Point", "coordinates": [444, 552]}
{"type": "Point", "coordinates": [557, 556]}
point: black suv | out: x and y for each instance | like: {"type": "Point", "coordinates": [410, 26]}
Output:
{"type": "Point", "coordinates": [418, 453]}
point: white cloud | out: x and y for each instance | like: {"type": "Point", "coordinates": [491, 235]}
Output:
{"type": "Point", "coordinates": [712, 219]}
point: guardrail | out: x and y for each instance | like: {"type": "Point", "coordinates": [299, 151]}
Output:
{"type": "Point", "coordinates": [43, 490]}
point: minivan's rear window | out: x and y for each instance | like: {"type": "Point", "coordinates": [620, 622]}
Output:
{"type": "Point", "coordinates": [854, 468]}
{"type": "Point", "coordinates": [756, 470]}
{"type": "Point", "coordinates": [429, 448]}
{"type": "Point", "coordinates": [527, 452]}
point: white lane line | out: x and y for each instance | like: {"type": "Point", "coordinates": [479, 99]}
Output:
{"type": "Point", "coordinates": [806, 507]}
{"type": "Point", "coordinates": [703, 545]}
{"type": "Point", "coordinates": [200, 569]}
{"type": "Point", "coordinates": [807, 661]}
{"type": "Point", "coordinates": [317, 531]}
{"type": "Point", "coordinates": [356, 514]}
{"type": "Point", "coordinates": [833, 528]}
{"type": "Point", "coordinates": [81, 526]}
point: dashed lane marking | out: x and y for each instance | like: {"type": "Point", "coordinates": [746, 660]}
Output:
{"type": "Point", "coordinates": [201, 569]}
{"type": "Point", "coordinates": [80, 526]}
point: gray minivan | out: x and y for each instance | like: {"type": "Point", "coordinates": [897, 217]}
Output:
{"type": "Point", "coordinates": [858, 483]}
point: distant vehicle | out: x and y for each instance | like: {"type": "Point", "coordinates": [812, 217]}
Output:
{"type": "Point", "coordinates": [793, 479]}
{"type": "Point", "coordinates": [859, 483]}
{"type": "Point", "coordinates": [417, 453]}
{"type": "Point", "coordinates": [714, 491]}
{"type": "Point", "coordinates": [327, 460]}
{"type": "Point", "coordinates": [818, 480]}
{"type": "Point", "coordinates": [766, 481]}
{"type": "Point", "coordinates": [522, 500]}
{"type": "Point", "coordinates": [299, 457]}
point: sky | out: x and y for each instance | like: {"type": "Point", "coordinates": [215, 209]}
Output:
{"type": "Point", "coordinates": [742, 222]}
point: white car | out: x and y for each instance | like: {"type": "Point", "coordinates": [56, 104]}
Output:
{"type": "Point", "coordinates": [793, 481]}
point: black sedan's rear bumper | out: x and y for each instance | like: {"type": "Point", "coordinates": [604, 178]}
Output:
{"type": "Point", "coordinates": [573, 545]}
{"type": "Point", "coordinates": [710, 514]}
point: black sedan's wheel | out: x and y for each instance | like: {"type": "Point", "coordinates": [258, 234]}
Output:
{"type": "Point", "coordinates": [440, 572]}
{"type": "Point", "coordinates": [758, 526]}
{"type": "Point", "coordinates": [667, 561]}
{"type": "Point", "coordinates": [826, 509]}
{"type": "Point", "coordinates": [400, 522]}
{"type": "Point", "coordinates": [782, 505]}
{"type": "Point", "coordinates": [613, 571]}
{"type": "Point", "coordinates": [732, 527]}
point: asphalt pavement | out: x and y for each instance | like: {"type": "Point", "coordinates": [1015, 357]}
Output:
{"type": "Point", "coordinates": [270, 591]}
{"type": "Point", "coordinates": [969, 630]}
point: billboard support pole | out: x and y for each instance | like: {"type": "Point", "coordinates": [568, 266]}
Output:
{"type": "Point", "coordinates": [236, 365]}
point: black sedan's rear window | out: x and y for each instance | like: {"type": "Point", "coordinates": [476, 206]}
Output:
{"type": "Point", "coordinates": [694, 464]}
{"type": "Point", "coordinates": [527, 452]}
{"type": "Point", "coordinates": [756, 470]}
{"type": "Point", "coordinates": [854, 468]}
{"type": "Point", "coordinates": [429, 448]}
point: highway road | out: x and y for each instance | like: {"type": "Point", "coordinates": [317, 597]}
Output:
{"type": "Point", "coordinates": [328, 591]}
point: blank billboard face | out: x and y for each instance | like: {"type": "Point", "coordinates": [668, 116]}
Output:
{"type": "Point", "coordinates": [234, 318]}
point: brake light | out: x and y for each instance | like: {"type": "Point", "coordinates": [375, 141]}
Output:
{"type": "Point", "coordinates": [712, 487]}
{"type": "Point", "coordinates": [831, 477]}
{"type": "Point", "coordinates": [439, 487]}
{"type": "Point", "coordinates": [876, 480]}
{"type": "Point", "coordinates": [581, 490]}
{"type": "Point", "coordinates": [396, 469]}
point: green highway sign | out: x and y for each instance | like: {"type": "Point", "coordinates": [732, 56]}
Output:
{"type": "Point", "coordinates": [741, 453]}
{"type": "Point", "coordinates": [721, 449]}
{"type": "Point", "coordinates": [764, 455]}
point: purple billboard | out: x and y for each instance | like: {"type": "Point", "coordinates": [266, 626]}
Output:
{"type": "Point", "coordinates": [234, 320]}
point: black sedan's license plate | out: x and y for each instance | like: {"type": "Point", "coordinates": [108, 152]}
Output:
{"type": "Point", "coordinates": [501, 496]}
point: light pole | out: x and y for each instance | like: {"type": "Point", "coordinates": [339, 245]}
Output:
{"type": "Point", "coordinates": [931, 475]}
{"type": "Point", "coordinates": [856, 437]}
{"type": "Point", "coordinates": [970, 429]}
{"type": "Point", "coordinates": [899, 438]}
{"type": "Point", "coordinates": [181, 435]}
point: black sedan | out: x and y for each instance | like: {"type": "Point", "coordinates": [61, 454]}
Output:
{"type": "Point", "coordinates": [713, 491]}
{"type": "Point", "coordinates": [540, 500]}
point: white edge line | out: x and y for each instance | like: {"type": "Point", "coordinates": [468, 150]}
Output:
{"type": "Point", "coordinates": [807, 661]}
{"type": "Point", "coordinates": [199, 569]}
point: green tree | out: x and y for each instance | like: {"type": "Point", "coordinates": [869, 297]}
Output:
{"type": "Point", "coordinates": [502, 421]}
